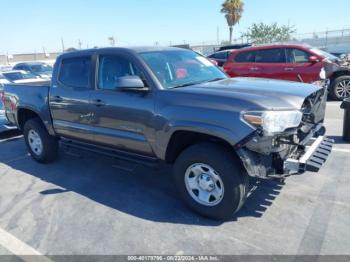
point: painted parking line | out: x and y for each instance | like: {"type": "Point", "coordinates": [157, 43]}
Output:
{"type": "Point", "coordinates": [11, 138]}
{"type": "Point", "coordinates": [341, 150]}
{"type": "Point", "coordinates": [16, 246]}
{"type": "Point", "coordinates": [334, 104]}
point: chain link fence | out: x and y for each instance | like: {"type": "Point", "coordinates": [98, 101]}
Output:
{"type": "Point", "coordinates": [334, 41]}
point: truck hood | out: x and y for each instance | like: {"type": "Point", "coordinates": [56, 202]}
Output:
{"type": "Point", "coordinates": [263, 93]}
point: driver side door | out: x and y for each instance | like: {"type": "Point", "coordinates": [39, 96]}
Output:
{"type": "Point", "coordinates": [121, 119]}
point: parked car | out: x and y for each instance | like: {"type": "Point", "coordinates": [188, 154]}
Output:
{"type": "Point", "coordinates": [3, 79]}
{"type": "Point", "coordinates": [4, 68]}
{"type": "Point", "coordinates": [19, 76]}
{"type": "Point", "coordinates": [233, 47]}
{"type": "Point", "coordinates": [290, 62]}
{"type": "Point", "coordinates": [151, 105]}
{"type": "Point", "coordinates": [39, 69]}
{"type": "Point", "coordinates": [220, 57]}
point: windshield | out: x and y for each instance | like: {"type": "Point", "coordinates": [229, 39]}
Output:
{"type": "Point", "coordinates": [181, 68]}
{"type": "Point", "coordinates": [41, 68]}
{"type": "Point", "coordinates": [324, 54]}
{"type": "Point", "coordinates": [13, 76]}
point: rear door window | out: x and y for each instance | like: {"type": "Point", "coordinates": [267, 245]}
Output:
{"type": "Point", "coordinates": [75, 72]}
{"type": "Point", "coordinates": [19, 67]}
{"type": "Point", "coordinates": [275, 55]}
{"type": "Point", "coordinates": [245, 57]}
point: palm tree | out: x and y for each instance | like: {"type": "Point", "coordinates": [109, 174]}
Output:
{"type": "Point", "coordinates": [233, 10]}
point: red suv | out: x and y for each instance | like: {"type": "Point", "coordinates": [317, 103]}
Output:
{"type": "Point", "coordinates": [290, 62]}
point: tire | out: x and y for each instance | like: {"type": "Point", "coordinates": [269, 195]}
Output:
{"type": "Point", "coordinates": [341, 82]}
{"type": "Point", "coordinates": [46, 148]}
{"type": "Point", "coordinates": [234, 179]}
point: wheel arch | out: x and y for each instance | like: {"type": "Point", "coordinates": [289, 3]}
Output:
{"type": "Point", "coordinates": [24, 114]}
{"type": "Point", "coordinates": [182, 139]}
{"type": "Point", "coordinates": [340, 73]}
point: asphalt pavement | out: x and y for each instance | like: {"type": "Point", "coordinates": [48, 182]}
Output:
{"type": "Point", "coordinates": [88, 204]}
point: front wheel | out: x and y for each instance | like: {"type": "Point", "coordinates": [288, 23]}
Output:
{"type": "Point", "coordinates": [41, 146]}
{"type": "Point", "coordinates": [211, 180]}
{"type": "Point", "coordinates": [340, 88]}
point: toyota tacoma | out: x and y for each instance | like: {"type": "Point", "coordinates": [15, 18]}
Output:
{"type": "Point", "coordinates": [152, 105]}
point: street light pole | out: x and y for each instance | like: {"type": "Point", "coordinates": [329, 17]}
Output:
{"type": "Point", "coordinates": [62, 43]}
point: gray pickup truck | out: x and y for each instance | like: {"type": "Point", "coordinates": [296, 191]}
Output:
{"type": "Point", "coordinates": [152, 105]}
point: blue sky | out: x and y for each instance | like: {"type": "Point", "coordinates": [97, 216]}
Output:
{"type": "Point", "coordinates": [28, 26]}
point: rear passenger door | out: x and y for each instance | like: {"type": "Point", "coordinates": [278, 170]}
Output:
{"type": "Point", "coordinates": [69, 98]}
{"type": "Point", "coordinates": [271, 63]}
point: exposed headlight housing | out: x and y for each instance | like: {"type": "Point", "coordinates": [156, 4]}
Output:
{"type": "Point", "coordinates": [323, 74]}
{"type": "Point", "coordinates": [273, 122]}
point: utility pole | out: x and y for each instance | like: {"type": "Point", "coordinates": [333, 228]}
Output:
{"type": "Point", "coordinates": [62, 43]}
{"type": "Point", "coordinates": [79, 43]}
{"type": "Point", "coordinates": [218, 35]}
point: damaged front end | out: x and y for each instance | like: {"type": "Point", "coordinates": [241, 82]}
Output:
{"type": "Point", "coordinates": [294, 150]}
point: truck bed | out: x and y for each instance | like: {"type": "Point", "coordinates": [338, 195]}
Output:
{"type": "Point", "coordinates": [33, 96]}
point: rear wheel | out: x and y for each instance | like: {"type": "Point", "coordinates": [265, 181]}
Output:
{"type": "Point", "coordinates": [340, 88]}
{"type": "Point", "coordinates": [41, 146]}
{"type": "Point", "coordinates": [211, 180]}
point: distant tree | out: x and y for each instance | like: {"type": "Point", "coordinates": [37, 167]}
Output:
{"type": "Point", "coordinates": [263, 33]}
{"type": "Point", "coordinates": [232, 9]}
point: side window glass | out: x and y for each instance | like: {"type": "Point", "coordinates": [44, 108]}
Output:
{"type": "Point", "coordinates": [301, 56]}
{"type": "Point", "coordinates": [75, 72]}
{"type": "Point", "coordinates": [113, 67]}
{"type": "Point", "coordinates": [222, 55]}
{"type": "Point", "coordinates": [276, 55]}
{"type": "Point", "coordinates": [245, 57]}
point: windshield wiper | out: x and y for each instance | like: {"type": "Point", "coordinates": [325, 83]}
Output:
{"type": "Point", "coordinates": [215, 79]}
{"type": "Point", "coordinates": [189, 84]}
{"type": "Point", "coordinates": [199, 82]}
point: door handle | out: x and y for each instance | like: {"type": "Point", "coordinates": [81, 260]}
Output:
{"type": "Point", "coordinates": [98, 102]}
{"type": "Point", "coordinates": [56, 99]}
{"type": "Point", "coordinates": [254, 69]}
{"type": "Point", "coordinates": [289, 69]}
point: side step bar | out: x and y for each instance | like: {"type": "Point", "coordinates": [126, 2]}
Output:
{"type": "Point", "coordinates": [313, 159]}
{"type": "Point", "coordinates": [114, 153]}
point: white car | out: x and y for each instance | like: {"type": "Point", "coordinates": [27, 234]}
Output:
{"type": "Point", "coordinates": [20, 77]}
{"type": "Point", "coordinates": [3, 80]}
{"type": "Point", "coordinates": [5, 68]}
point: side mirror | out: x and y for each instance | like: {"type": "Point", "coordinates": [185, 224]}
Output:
{"type": "Point", "coordinates": [131, 83]}
{"type": "Point", "coordinates": [313, 59]}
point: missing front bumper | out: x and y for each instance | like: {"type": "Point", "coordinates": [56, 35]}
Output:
{"type": "Point", "coordinates": [314, 157]}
